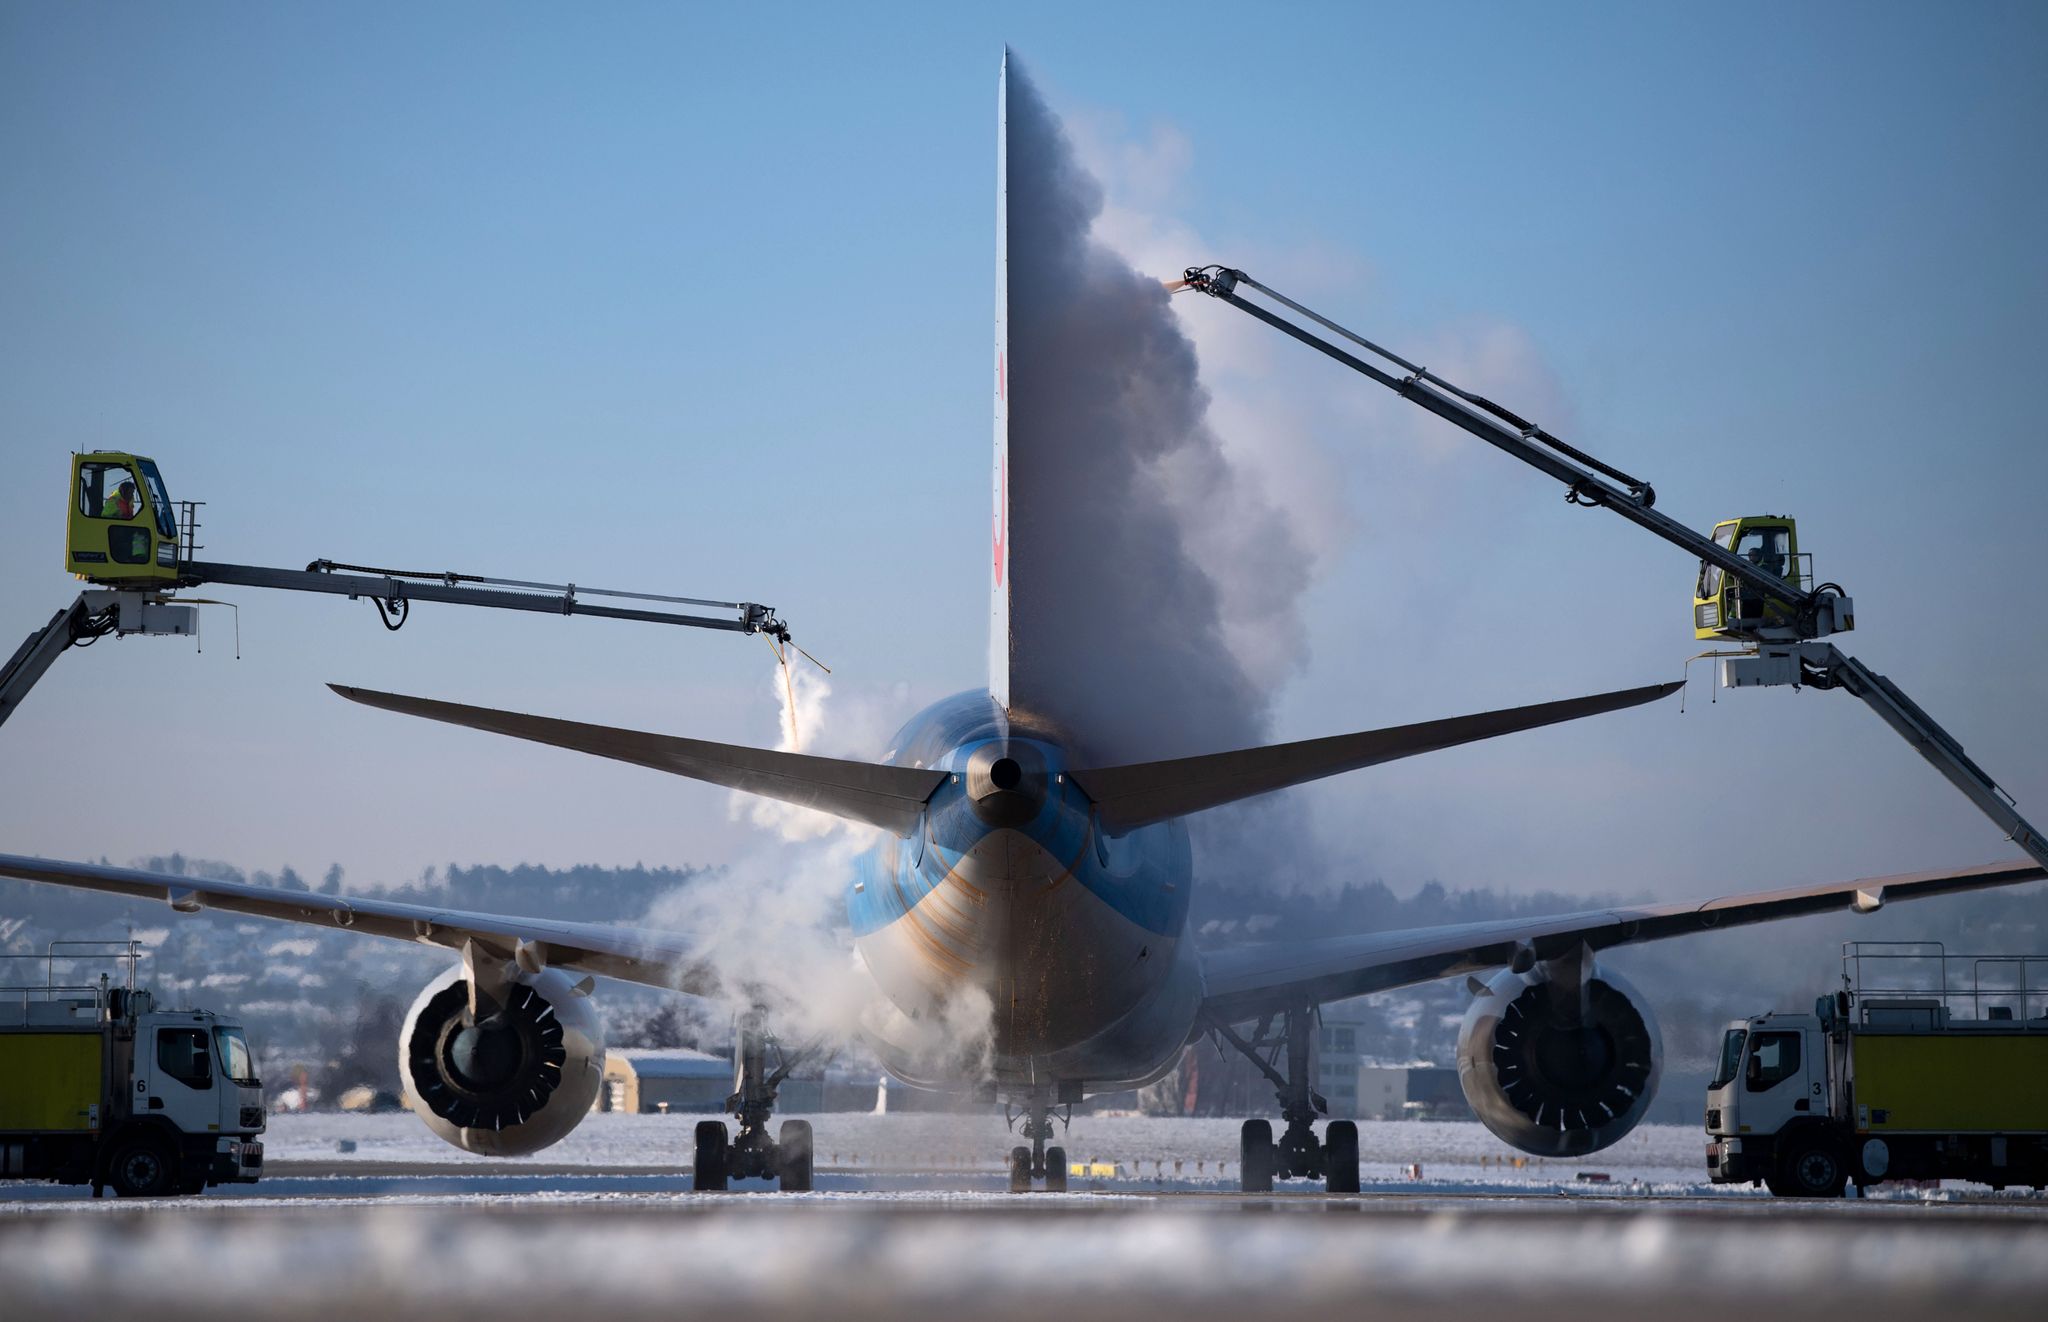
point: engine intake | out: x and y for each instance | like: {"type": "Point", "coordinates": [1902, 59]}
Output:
{"type": "Point", "coordinates": [515, 1079]}
{"type": "Point", "coordinates": [1552, 1078]}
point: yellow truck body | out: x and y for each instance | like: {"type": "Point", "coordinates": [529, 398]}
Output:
{"type": "Point", "coordinates": [50, 1082]}
{"type": "Point", "coordinates": [1955, 1083]}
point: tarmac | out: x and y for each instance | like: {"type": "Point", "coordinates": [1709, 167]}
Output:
{"type": "Point", "coordinates": [391, 1240]}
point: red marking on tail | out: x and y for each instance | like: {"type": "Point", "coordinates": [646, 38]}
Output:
{"type": "Point", "coordinates": [1002, 518]}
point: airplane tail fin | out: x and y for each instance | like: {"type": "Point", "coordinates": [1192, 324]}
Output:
{"type": "Point", "coordinates": [889, 797]}
{"type": "Point", "coordinates": [1128, 797]}
{"type": "Point", "coordinates": [999, 482]}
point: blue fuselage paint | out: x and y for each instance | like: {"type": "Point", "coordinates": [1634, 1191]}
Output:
{"type": "Point", "coordinates": [1009, 891]}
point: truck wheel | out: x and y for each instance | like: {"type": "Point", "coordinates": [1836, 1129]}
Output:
{"type": "Point", "coordinates": [1812, 1169]}
{"type": "Point", "coordinates": [141, 1169]}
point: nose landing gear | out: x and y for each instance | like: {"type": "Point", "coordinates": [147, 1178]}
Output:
{"type": "Point", "coordinates": [1037, 1162]}
{"type": "Point", "coordinates": [1298, 1154]}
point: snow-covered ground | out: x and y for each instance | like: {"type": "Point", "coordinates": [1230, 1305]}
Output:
{"type": "Point", "coordinates": [999, 1259]}
{"type": "Point", "coordinates": [1144, 1147]}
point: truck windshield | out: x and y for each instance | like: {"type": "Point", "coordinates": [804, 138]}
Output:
{"type": "Point", "coordinates": [159, 500]}
{"type": "Point", "coordinates": [1731, 1058]}
{"type": "Point", "coordinates": [235, 1059]}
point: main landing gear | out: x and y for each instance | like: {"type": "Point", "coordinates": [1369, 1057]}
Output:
{"type": "Point", "coordinates": [1037, 1162]}
{"type": "Point", "coordinates": [751, 1154]}
{"type": "Point", "coordinates": [1298, 1154]}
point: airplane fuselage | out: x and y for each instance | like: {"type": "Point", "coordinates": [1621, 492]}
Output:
{"type": "Point", "coordinates": [1009, 916]}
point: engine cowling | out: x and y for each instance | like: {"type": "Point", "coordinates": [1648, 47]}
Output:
{"type": "Point", "coordinates": [515, 1082]}
{"type": "Point", "coordinates": [1551, 1081]}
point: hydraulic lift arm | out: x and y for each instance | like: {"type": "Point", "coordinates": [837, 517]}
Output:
{"type": "Point", "coordinates": [76, 625]}
{"type": "Point", "coordinates": [394, 590]}
{"type": "Point", "coordinates": [1825, 666]}
{"type": "Point", "coordinates": [152, 610]}
{"type": "Point", "coordinates": [1786, 650]}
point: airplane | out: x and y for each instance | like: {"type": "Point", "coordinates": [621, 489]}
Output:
{"type": "Point", "coordinates": [1018, 871]}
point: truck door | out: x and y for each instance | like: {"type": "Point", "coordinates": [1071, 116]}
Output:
{"type": "Point", "coordinates": [1778, 1080]}
{"type": "Point", "coordinates": [179, 1081]}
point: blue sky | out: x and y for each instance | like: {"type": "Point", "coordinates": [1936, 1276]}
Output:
{"type": "Point", "coordinates": [698, 300]}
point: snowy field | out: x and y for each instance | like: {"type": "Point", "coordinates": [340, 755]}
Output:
{"type": "Point", "coordinates": [1143, 1147]}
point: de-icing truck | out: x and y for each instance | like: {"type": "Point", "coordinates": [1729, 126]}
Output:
{"type": "Point", "coordinates": [99, 1086]}
{"type": "Point", "coordinates": [1941, 1075]}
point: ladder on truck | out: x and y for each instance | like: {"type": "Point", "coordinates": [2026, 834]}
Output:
{"type": "Point", "coordinates": [1790, 649]}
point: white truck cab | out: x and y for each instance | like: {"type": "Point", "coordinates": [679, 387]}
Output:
{"type": "Point", "coordinates": [1770, 1090]}
{"type": "Point", "coordinates": [195, 1072]}
{"type": "Point", "coordinates": [1773, 1070]}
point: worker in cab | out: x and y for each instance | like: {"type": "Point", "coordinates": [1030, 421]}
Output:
{"type": "Point", "coordinates": [120, 505]}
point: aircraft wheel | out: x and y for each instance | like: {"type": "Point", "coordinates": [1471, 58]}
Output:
{"type": "Point", "coordinates": [709, 1173]}
{"type": "Point", "coordinates": [794, 1144]}
{"type": "Point", "coordinates": [1340, 1157]}
{"type": "Point", "coordinates": [1055, 1170]}
{"type": "Point", "coordinates": [1020, 1170]}
{"type": "Point", "coordinates": [1255, 1156]}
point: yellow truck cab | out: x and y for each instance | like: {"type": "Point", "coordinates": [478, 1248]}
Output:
{"type": "Point", "coordinates": [1724, 609]}
{"type": "Point", "coordinates": [121, 527]}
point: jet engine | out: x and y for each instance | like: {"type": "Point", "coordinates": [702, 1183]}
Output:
{"type": "Point", "coordinates": [1559, 1057]}
{"type": "Point", "coordinates": [511, 1077]}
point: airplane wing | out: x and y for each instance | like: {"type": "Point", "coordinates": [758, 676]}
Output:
{"type": "Point", "coordinates": [1249, 981]}
{"type": "Point", "coordinates": [657, 959]}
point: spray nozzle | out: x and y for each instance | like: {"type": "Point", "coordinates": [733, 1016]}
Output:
{"type": "Point", "coordinates": [1217, 280]}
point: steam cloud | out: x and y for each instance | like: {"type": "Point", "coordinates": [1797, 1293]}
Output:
{"type": "Point", "coordinates": [1139, 552]}
{"type": "Point", "coordinates": [1156, 589]}
{"type": "Point", "coordinates": [773, 923]}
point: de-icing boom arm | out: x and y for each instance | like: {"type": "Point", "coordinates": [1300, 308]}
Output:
{"type": "Point", "coordinates": [1796, 655]}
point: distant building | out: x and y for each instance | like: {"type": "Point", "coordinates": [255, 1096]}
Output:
{"type": "Point", "coordinates": [363, 1097]}
{"type": "Point", "coordinates": [1337, 1063]}
{"type": "Point", "coordinates": [639, 1080]}
{"type": "Point", "coordinates": [1409, 1092]}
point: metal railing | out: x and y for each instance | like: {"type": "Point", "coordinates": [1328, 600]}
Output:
{"type": "Point", "coordinates": [71, 954]}
{"type": "Point", "coordinates": [2016, 985]}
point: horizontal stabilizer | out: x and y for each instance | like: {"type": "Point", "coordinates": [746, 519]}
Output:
{"type": "Point", "coordinates": [884, 796]}
{"type": "Point", "coordinates": [1137, 795]}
